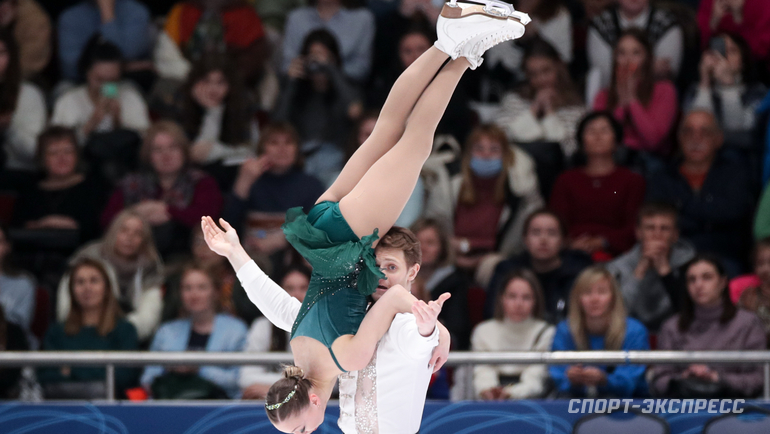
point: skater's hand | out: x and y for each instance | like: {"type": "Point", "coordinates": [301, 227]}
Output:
{"type": "Point", "coordinates": [441, 352]}
{"type": "Point", "coordinates": [426, 314]}
{"type": "Point", "coordinates": [219, 241]}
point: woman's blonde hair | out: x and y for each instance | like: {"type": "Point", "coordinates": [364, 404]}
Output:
{"type": "Point", "coordinates": [495, 133]}
{"type": "Point", "coordinates": [110, 308]}
{"type": "Point", "coordinates": [171, 128]}
{"type": "Point", "coordinates": [616, 332]}
{"type": "Point", "coordinates": [147, 249]}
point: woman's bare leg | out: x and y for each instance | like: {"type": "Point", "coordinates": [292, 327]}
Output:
{"type": "Point", "coordinates": [381, 194]}
{"type": "Point", "coordinates": [391, 122]}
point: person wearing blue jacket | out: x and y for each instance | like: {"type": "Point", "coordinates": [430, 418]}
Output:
{"type": "Point", "coordinates": [202, 330]}
{"type": "Point", "coordinates": [597, 320]}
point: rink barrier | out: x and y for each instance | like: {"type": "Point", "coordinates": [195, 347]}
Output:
{"type": "Point", "coordinates": [111, 359]}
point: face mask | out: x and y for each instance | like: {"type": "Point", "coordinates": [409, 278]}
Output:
{"type": "Point", "coordinates": [486, 168]}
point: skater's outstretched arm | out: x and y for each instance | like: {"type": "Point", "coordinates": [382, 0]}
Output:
{"type": "Point", "coordinates": [278, 307]}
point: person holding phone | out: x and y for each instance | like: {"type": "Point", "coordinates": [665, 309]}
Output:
{"type": "Point", "coordinates": [729, 88]}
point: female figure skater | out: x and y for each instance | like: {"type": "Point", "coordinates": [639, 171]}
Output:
{"type": "Point", "coordinates": [330, 334]}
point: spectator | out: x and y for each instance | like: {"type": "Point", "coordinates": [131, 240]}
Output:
{"type": "Point", "coordinates": [599, 202]}
{"type": "Point", "coordinates": [554, 265]}
{"type": "Point", "coordinates": [547, 108]}
{"type": "Point", "coordinates": [169, 194]}
{"type": "Point", "coordinates": [756, 298]}
{"type": "Point", "coordinates": [660, 27]}
{"type": "Point", "coordinates": [709, 321]}
{"type": "Point", "coordinates": [598, 321]}
{"type": "Point", "coordinates": [486, 204]}
{"type": "Point", "coordinates": [65, 198]}
{"type": "Point", "coordinates": [22, 108]}
{"type": "Point", "coordinates": [552, 23]}
{"type": "Point", "coordinates": [215, 114]}
{"type": "Point", "coordinates": [94, 322]}
{"type": "Point", "coordinates": [353, 28]}
{"type": "Point", "coordinates": [645, 107]}
{"type": "Point", "coordinates": [31, 27]}
{"type": "Point", "coordinates": [197, 28]}
{"type": "Point", "coordinates": [439, 275]}
{"type": "Point", "coordinates": [729, 88]}
{"type": "Point", "coordinates": [318, 98]}
{"type": "Point", "coordinates": [714, 195]}
{"type": "Point", "coordinates": [203, 330]}
{"type": "Point", "coordinates": [517, 326]}
{"type": "Point", "coordinates": [264, 336]}
{"type": "Point", "coordinates": [12, 338]}
{"type": "Point", "coordinates": [124, 23]}
{"type": "Point", "coordinates": [748, 18]}
{"type": "Point", "coordinates": [17, 290]}
{"type": "Point", "coordinates": [128, 249]}
{"type": "Point", "coordinates": [267, 187]}
{"type": "Point", "coordinates": [104, 103]}
{"type": "Point", "coordinates": [233, 299]}
{"type": "Point", "coordinates": [649, 273]}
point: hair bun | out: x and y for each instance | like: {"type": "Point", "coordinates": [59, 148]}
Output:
{"type": "Point", "coordinates": [295, 372]}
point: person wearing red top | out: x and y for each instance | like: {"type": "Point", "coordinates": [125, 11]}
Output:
{"type": "Point", "coordinates": [600, 201]}
{"type": "Point", "coordinates": [171, 195]}
{"type": "Point", "coordinates": [748, 18]}
{"type": "Point", "coordinates": [645, 107]}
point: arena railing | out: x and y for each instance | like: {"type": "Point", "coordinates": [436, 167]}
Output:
{"type": "Point", "coordinates": [111, 359]}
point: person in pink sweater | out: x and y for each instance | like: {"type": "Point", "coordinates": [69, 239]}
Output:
{"type": "Point", "coordinates": [646, 108]}
{"type": "Point", "coordinates": [748, 18]}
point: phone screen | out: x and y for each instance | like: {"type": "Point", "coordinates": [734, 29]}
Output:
{"type": "Point", "coordinates": [110, 90]}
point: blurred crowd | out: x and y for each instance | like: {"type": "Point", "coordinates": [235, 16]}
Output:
{"type": "Point", "coordinates": [597, 184]}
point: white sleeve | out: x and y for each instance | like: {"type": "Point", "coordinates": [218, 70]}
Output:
{"type": "Point", "coordinates": [532, 380]}
{"type": "Point", "coordinates": [146, 315]}
{"type": "Point", "coordinates": [485, 376]}
{"type": "Point", "coordinates": [599, 56]}
{"type": "Point", "coordinates": [27, 123]}
{"type": "Point", "coordinates": [671, 47]}
{"type": "Point", "coordinates": [258, 341]}
{"type": "Point", "coordinates": [134, 114]}
{"type": "Point", "coordinates": [558, 32]}
{"type": "Point", "coordinates": [409, 340]}
{"type": "Point", "coordinates": [275, 304]}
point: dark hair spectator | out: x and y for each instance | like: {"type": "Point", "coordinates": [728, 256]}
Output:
{"type": "Point", "coordinates": [31, 28]}
{"type": "Point", "coordinates": [649, 273]}
{"type": "Point", "coordinates": [263, 336]}
{"type": "Point", "coordinates": [487, 202]}
{"type": "Point", "coordinates": [709, 321]}
{"type": "Point", "coordinates": [518, 325]}
{"type": "Point", "coordinates": [747, 18]}
{"type": "Point", "coordinates": [93, 322]}
{"type": "Point", "coordinates": [547, 255]}
{"type": "Point", "coordinates": [318, 99]}
{"type": "Point", "coordinates": [124, 23]}
{"type": "Point", "coordinates": [66, 197]}
{"type": "Point", "coordinates": [646, 107]}
{"type": "Point", "coordinates": [169, 193]}
{"type": "Point", "coordinates": [756, 297]}
{"type": "Point", "coordinates": [547, 108]}
{"type": "Point", "coordinates": [23, 111]}
{"type": "Point", "coordinates": [128, 248]}
{"type": "Point", "coordinates": [714, 194]}
{"type": "Point", "coordinates": [438, 275]}
{"type": "Point", "coordinates": [353, 29]}
{"type": "Point", "coordinates": [598, 321]}
{"type": "Point", "coordinates": [203, 329]}
{"type": "Point", "coordinates": [599, 202]}
{"type": "Point", "coordinates": [105, 103]}
{"type": "Point", "coordinates": [17, 298]}
{"type": "Point", "coordinates": [729, 88]}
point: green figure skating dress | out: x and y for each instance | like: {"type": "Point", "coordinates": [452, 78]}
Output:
{"type": "Point", "coordinates": [345, 272]}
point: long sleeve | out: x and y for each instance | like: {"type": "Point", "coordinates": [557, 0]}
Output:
{"type": "Point", "coordinates": [560, 200]}
{"type": "Point", "coordinates": [134, 114]}
{"type": "Point", "coordinates": [258, 341]}
{"type": "Point", "coordinates": [130, 30]}
{"type": "Point", "coordinates": [146, 316]}
{"type": "Point", "coordinates": [622, 238]}
{"type": "Point", "coordinates": [207, 200]}
{"type": "Point", "coordinates": [115, 205]}
{"type": "Point", "coordinates": [125, 340]}
{"type": "Point", "coordinates": [599, 55]}
{"type": "Point", "coordinates": [296, 30]}
{"type": "Point", "coordinates": [27, 123]}
{"type": "Point", "coordinates": [671, 46]}
{"type": "Point", "coordinates": [533, 378]}
{"type": "Point", "coordinates": [562, 341]}
{"type": "Point", "coordinates": [159, 343]}
{"type": "Point", "coordinates": [747, 378]}
{"type": "Point", "coordinates": [663, 374]}
{"type": "Point", "coordinates": [274, 303]}
{"type": "Point", "coordinates": [654, 122]}
{"type": "Point", "coordinates": [624, 380]}
{"type": "Point", "coordinates": [230, 336]}
{"type": "Point", "coordinates": [358, 64]}
{"type": "Point", "coordinates": [762, 218]}
{"type": "Point", "coordinates": [485, 376]}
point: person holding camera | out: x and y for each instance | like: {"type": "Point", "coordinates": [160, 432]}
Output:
{"type": "Point", "coordinates": [729, 88]}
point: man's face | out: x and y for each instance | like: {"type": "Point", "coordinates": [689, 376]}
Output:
{"type": "Point", "coordinates": [657, 229]}
{"type": "Point", "coordinates": [393, 265]}
{"type": "Point", "coordinates": [700, 137]}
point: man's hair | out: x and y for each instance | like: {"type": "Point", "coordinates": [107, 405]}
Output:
{"type": "Point", "coordinates": [653, 209]}
{"type": "Point", "coordinates": [403, 239]}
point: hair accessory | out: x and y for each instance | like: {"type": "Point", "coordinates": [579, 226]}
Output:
{"type": "Point", "coordinates": [285, 400]}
